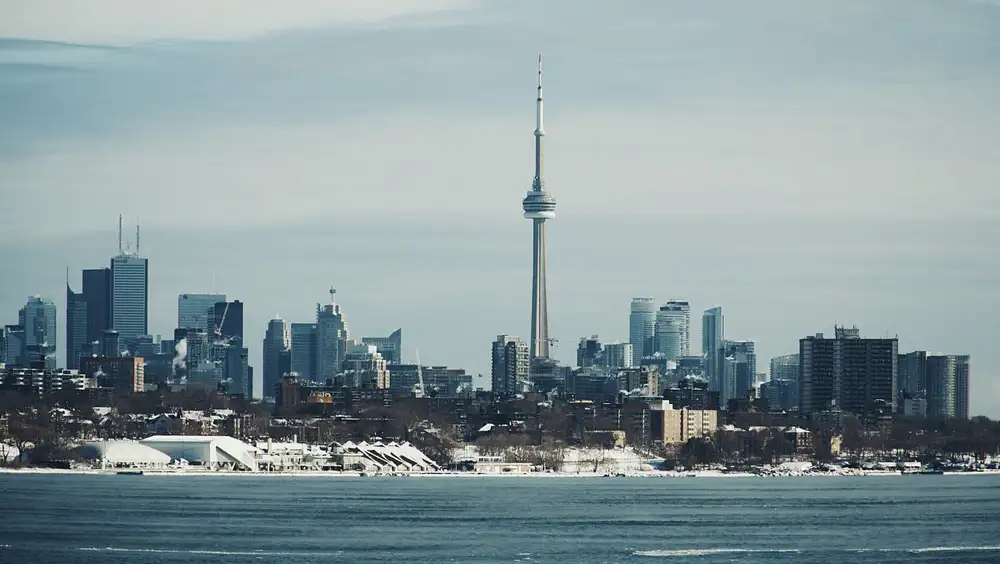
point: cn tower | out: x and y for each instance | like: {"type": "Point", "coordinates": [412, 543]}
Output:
{"type": "Point", "coordinates": [539, 206]}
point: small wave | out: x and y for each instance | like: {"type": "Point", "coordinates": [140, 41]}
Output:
{"type": "Point", "coordinates": [207, 552]}
{"type": "Point", "coordinates": [709, 551]}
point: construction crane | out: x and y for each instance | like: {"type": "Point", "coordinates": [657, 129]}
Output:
{"type": "Point", "coordinates": [222, 322]}
{"type": "Point", "coordinates": [553, 341]}
{"type": "Point", "coordinates": [418, 390]}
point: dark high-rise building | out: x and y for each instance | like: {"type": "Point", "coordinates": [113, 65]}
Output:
{"type": "Point", "coordinates": [276, 354]}
{"type": "Point", "coordinates": [303, 356]}
{"type": "Point", "coordinates": [588, 352]}
{"type": "Point", "coordinates": [739, 366]}
{"type": "Point", "coordinates": [962, 370]}
{"type": "Point", "coordinates": [228, 321]}
{"type": "Point", "coordinates": [76, 326]}
{"type": "Point", "coordinates": [110, 343]}
{"type": "Point", "coordinates": [97, 295]}
{"type": "Point", "coordinates": [850, 373]}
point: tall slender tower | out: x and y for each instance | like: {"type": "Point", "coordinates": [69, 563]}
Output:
{"type": "Point", "coordinates": [539, 206]}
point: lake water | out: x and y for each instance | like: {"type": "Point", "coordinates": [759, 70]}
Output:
{"type": "Point", "coordinates": [78, 519]}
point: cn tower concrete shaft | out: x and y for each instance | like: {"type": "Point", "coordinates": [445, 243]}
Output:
{"type": "Point", "coordinates": [539, 206]}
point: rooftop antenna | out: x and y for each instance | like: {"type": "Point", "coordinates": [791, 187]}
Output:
{"type": "Point", "coordinates": [137, 235]}
{"type": "Point", "coordinates": [119, 234]}
{"type": "Point", "coordinates": [67, 277]}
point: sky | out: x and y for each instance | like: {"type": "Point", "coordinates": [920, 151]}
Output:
{"type": "Point", "coordinates": [800, 164]}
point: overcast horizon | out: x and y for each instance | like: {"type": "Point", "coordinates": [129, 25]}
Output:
{"type": "Point", "coordinates": [798, 164]}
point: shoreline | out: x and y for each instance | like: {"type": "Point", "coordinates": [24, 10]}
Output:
{"type": "Point", "coordinates": [335, 475]}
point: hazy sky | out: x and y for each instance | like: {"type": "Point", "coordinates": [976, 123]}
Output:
{"type": "Point", "coordinates": [799, 163]}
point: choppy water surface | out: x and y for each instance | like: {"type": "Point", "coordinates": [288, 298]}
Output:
{"type": "Point", "coordinates": [168, 519]}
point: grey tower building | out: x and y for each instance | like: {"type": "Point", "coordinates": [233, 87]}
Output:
{"type": "Point", "coordinates": [712, 335]}
{"type": "Point", "coordinates": [277, 343]}
{"type": "Point", "coordinates": [539, 206]}
{"type": "Point", "coordinates": [38, 318]}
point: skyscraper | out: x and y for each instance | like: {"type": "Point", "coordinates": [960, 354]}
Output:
{"type": "Point", "coordinates": [740, 367]}
{"type": "Point", "coordinates": [331, 339]}
{"type": "Point", "coordinates": [303, 356]}
{"type": "Point", "coordinates": [539, 206]}
{"type": "Point", "coordinates": [941, 388]}
{"type": "Point", "coordinates": [673, 330]}
{"type": "Point", "coordinates": [641, 326]}
{"type": "Point", "coordinates": [130, 296]}
{"type": "Point", "coordinates": [277, 340]}
{"type": "Point", "coordinates": [712, 335]}
{"type": "Point", "coordinates": [76, 325]}
{"type": "Point", "coordinates": [97, 294]}
{"type": "Point", "coordinates": [962, 386]}
{"type": "Point", "coordinates": [197, 311]}
{"type": "Point", "coordinates": [510, 364]}
{"type": "Point", "coordinates": [38, 318]}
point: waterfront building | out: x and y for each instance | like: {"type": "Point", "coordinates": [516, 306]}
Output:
{"type": "Point", "coordinates": [641, 328]}
{"type": "Point", "coordinates": [848, 373]}
{"type": "Point", "coordinates": [510, 365]}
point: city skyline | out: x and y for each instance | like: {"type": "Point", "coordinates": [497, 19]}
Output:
{"type": "Point", "coordinates": [763, 170]}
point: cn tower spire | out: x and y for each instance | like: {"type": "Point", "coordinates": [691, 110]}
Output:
{"type": "Point", "coordinates": [538, 184]}
{"type": "Point", "coordinates": [539, 206]}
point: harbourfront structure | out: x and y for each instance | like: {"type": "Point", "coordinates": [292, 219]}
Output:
{"type": "Point", "coordinates": [539, 206]}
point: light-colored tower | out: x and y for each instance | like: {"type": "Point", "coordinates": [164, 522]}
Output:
{"type": "Point", "coordinates": [641, 324]}
{"type": "Point", "coordinates": [539, 206]}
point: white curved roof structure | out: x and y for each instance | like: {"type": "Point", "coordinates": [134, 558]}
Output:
{"type": "Point", "coordinates": [121, 452]}
{"type": "Point", "coordinates": [212, 451]}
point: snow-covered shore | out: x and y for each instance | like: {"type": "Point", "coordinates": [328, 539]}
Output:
{"type": "Point", "coordinates": [635, 474]}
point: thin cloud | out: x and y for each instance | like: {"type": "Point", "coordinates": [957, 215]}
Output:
{"type": "Point", "coordinates": [131, 21]}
